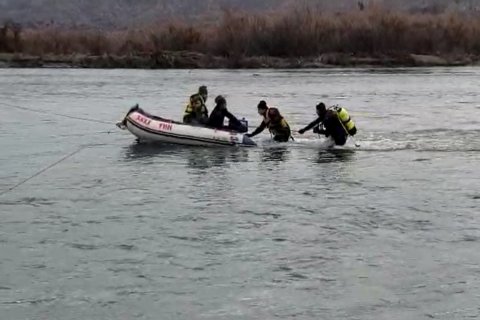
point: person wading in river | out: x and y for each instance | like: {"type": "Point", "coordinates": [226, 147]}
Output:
{"type": "Point", "coordinates": [336, 121]}
{"type": "Point", "coordinates": [274, 121]}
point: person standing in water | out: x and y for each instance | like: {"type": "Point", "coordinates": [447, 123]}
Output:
{"type": "Point", "coordinates": [336, 121]}
{"type": "Point", "coordinates": [274, 121]}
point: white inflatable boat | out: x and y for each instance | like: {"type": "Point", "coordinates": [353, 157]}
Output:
{"type": "Point", "coordinates": [149, 128]}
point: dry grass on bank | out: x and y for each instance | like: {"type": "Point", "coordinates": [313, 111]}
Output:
{"type": "Point", "coordinates": [300, 33]}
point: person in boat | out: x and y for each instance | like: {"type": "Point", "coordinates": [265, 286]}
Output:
{"type": "Point", "coordinates": [336, 121]}
{"type": "Point", "coordinates": [274, 121]}
{"type": "Point", "coordinates": [196, 112]}
{"type": "Point", "coordinates": [218, 115]}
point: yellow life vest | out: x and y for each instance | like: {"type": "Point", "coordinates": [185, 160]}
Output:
{"type": "Point", "coordinates": [281, 127]}
{"type": "Point", "coordinates": [346, 120]}
{"type": "Point", "coordinates": [195, 105]}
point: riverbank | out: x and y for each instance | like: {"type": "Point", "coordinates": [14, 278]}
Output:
{"type": "Point", "coordinates": [293, 39]}
{"type": "Point", "coordinates": [193, 60]}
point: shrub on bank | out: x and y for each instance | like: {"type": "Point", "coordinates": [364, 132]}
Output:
{"type": "Point", "coordinates": [297, 33]}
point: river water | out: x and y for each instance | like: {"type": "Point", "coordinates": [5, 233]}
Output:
{"type": "Point", "coordinates": [121, 230]}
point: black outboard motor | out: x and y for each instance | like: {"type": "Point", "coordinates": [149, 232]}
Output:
{"type": "Point", "coordinates": [241, 126]}
{"type": "Point", "coordinates": [244, 122]}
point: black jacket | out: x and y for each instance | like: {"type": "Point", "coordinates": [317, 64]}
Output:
{"type": "Point", "coordinates": [314, 123]}
{"type": "Point", "coordinates": [217, 117]}
{"type": "Point", "coordinates": [333, 127]}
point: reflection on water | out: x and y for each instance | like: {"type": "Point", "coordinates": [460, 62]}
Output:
{"type": "Point", "coordinates": [139, 150]}
{"type": "Point", "coordinates": [276, 153]}
{"type": "Point", "coordinates": [201, 158]}
{"type": "Point", "coordinates": [335, 155]}
{"type": "Point", "coordinates": [205, 158]}
{"type": "Point", "coordinates": [196, 157]}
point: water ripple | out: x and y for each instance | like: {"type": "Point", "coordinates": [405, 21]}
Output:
{"type": "Point", "coordinates": [130, 230]}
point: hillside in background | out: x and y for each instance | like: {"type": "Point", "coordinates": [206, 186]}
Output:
{"type": "Point", "coordinates": [120, 13]}
{"type": "Point", "coordinates": [125, 13]}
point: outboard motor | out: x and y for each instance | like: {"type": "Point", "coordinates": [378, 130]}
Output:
{"type": "Point", "coordinates": [241, 126]}
{"type": "Point", "coordinates": [244, 122]}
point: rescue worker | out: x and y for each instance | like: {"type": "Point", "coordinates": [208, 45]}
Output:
{"type": "Point", "coordinates": [196, 111]}
{"type": "Point", "coordinates": [336, 121]}
{"type": "Point", "coordinates": [217, 117]}
{"type": "Point", "coordinates": [274, 121]}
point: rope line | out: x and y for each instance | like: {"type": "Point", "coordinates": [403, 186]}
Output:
{"type": "Point", "coordinates": [54, 113]}
{"type": "Point", "coordinates": [42, 171]}
{"type": "Point", "coordinates": [64, 158]}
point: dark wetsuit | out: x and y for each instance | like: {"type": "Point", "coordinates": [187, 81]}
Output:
{"type": "Point", "coordinates": [314, 123]}
{"type": "Point", "coordinates": [333, 127]}
{"type": "Point", "coordinates": [217, 117]}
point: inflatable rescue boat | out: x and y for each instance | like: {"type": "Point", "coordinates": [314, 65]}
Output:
{"type": "Point", "coordinates": [150, 128]}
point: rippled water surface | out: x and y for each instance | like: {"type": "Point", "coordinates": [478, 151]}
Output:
{"type": "Point", "coordinates": [120, 230]}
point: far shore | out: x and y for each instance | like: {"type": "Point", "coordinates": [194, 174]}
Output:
{"type": "Point", "coordinates": [293, 39]}
{"type": "Point", "coordinates": [194, 60]}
